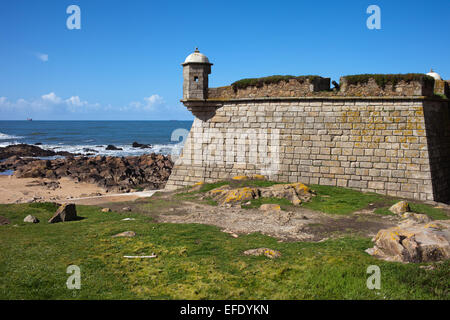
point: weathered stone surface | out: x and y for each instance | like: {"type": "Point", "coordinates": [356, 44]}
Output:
{"type": "Point", "coordinates": [240, 178]}
{"type": "Point", "coordinates": [66, 212]}
{"type": "Point", "coordinates": [412, 242]}
{"type": "Point", "coordinates": [31, 219]}
{"type": "Point", "coordinates": [294, 192]}
{"type": "Point", "coordinates": [269, 253]}
{"type": "Point", "coordinates": [420, 218]}
{"type": "Point", "coordinates": [400, 207]}
{"type": "Point", "coordinates": [224, 195]}
{"type": "Point", "coordinates": [126, 234]}
{"type": "Point", "coordinates": [270, 207]}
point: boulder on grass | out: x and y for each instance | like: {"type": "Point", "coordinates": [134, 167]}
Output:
{"type": "Point", "coordinates": [410, 242]}
{"type": "Point", "coordinates": [106, 210]}
{"type": "Point", "coordinates": [400, 208]}
{"type": "Point", "coordinates": [294, 192]}
{"type": "Point", "coordinates": [31, 219]}
{"type": "Point", "coordinates": [126, 234]}
{"type": "Point", "coordinates": [225, 195]}
{"type": "Point", "coordinates": [66, 212]}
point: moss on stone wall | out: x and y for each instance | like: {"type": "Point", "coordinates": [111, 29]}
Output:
{"type": "Point", "coordinates": [383, 79]}
{"type": "Point", "coordinates": [259, 82]}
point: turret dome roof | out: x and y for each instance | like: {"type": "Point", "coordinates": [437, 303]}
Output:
{"type": "Point", "coordinates": [196, 57]}
{"type": "Point", "coordinates": [435, 75]}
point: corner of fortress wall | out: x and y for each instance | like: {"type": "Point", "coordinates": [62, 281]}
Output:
{"type": "Point", "coordinates": [398, 147]}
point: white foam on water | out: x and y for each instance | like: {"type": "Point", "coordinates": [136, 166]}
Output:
{"type": "Point", "coordinates": [127, 150]}
{"type": "Point", "coordinates": [4, 136]}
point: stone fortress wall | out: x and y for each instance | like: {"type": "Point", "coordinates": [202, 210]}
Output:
{"type": "Point", "coordinates": [395, 141]}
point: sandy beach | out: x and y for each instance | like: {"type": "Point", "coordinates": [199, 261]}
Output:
{"type": "Point", "coordinates": [24, 190]}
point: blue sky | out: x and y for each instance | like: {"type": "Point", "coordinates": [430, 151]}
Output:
{"type": "Point", "coordinates": [124, 63]}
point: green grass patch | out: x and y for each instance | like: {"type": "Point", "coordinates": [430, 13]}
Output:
{"type": "Point", "coordinates": [210, 186]}
{"type": "Point", "coordinates": [430, 211]}
{"type": "Point", "coordinates": [433, 213]}
{"type": "Point", "coordinates": [194, 262]}
{"type": "Point", "coordinates": [337, 200]}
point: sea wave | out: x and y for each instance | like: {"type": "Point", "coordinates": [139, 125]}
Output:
{"type": "Point", "coordinates": [127, 150]}
{"type": "Point", "coordinates": [4, 136]}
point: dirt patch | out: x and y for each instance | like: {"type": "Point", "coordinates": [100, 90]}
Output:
{"type": "Point", "coordinates": [297, 224]}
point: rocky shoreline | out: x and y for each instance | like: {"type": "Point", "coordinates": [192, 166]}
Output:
{"type": "Point", "coordinates": [123, 174]}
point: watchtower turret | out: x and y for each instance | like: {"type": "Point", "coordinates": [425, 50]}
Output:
{"type": "Point", "coordinates": [196, 69]}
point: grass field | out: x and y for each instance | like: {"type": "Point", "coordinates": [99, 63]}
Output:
{"type": "Point", "coordinates": [194, 262]}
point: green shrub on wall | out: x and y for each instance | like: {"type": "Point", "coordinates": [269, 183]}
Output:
{"type": "Point", "coordinates": [383, 79]}
{"type": "Point", "coordinates": [259, 82]}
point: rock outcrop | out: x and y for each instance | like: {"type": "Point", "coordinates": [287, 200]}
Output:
{"type": "Point", "coordinates": [294, 192]}
{"type": "Point", "coordinates": [413, 242]}
{"type": "Point", "coordinates": [400, 208]}
{"type": "Point", "coordinates": [26, 150]}
{"type": "Point", "coordinates": [112, 173]}
{"type": "Point", "coordinates": [112, 147]}
{"type": "Point", "coordinates": [141, 145]}
{"type": "Point", "coordinates": [66, 212]}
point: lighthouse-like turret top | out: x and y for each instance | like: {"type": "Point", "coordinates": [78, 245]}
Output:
{"type": "Point", "coordinates": [196, 69]}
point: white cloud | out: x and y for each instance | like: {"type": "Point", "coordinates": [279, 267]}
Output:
{"type": "Point", "coordinates": [149, 104]}
{"type": "Point", "coordinates": [51, 98]}
{"type": "Point", "coordinates": [51, 103]}
{"type": "Point", "coordinates": [42, 56]}
{"type": "Point", "coordinates": [75, 101]}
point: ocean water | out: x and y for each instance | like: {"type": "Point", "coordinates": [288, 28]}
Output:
{"type": "Point", "coordinates": [79, 136]}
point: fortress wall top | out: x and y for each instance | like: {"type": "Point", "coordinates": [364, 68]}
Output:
{"type": "Point", "coordinates": [315, 86]}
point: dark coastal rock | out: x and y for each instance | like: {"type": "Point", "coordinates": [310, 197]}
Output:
{"type": "Point", "coordinates": [149, 171]}
{"type": "Point", "coordinates": [26, 150]}
{"type": "Point", "coordinates": [66, 212]}
{"type": "Point", "coordinates": [111, 147]}
{"type": "Point", "coordinates": [89, 150]}
{"type": "Point", "coordinates": [4, 221]}
{"type": "Point", "coordinates": [141, 146]}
